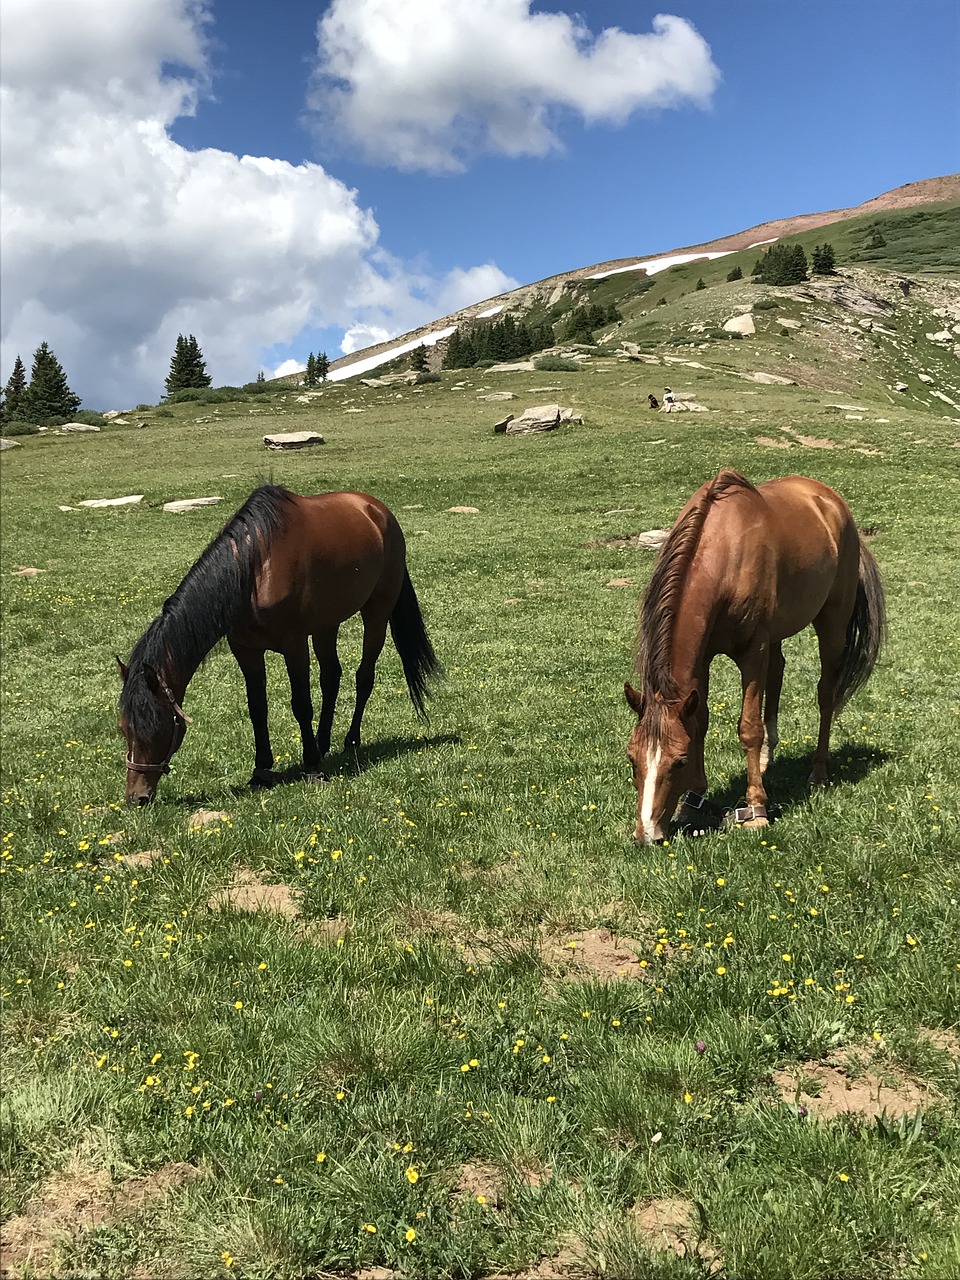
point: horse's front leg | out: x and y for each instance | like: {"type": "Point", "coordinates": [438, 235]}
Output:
{"type": "Point", "coordinates": [297, 659]}
{"type": "Point", "coordinates": [254, 668]}
{"type": "Point", "coordinates": [753, 675]}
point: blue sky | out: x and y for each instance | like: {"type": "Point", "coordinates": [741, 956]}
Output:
{"type": "Point", "coordinates": [418, 155]}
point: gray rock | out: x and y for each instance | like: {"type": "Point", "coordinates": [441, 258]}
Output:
{"type": "Point", "coordinates": [293, 440]}
{"type": "Point", "coordinates": [78, 427]}
{"type": "Point", "coordinates": [925, 377]}
{"type": "Point", "coordinates": [740, 324]}
{"type": "Point", "coordinates": [112, 502]}
{"type": "Point", "coordinates": [786, 323]}
{"type": "Point", "coordinates": [498, 395]}
{"type": "Point", "coordinates": [191, 504]}
{"type": "Point", "coordinates": [900, 386]}
{"type": "Point", "coordinates": [771, 379]}
{"type": "Point", "coordinates": [8, 444]}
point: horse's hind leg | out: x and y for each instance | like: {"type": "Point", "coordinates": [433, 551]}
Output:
{"type": "Point", "coordinates": [771, 706]}
{"type": "Point", "coordinates": [297, 659]}
{"type": "Point", "coordinates": [831, 636]}
{"type": "Point", "coordinates": [254, 668]}
{"type": "Point", "coordinates": [753, 675]}
{"type": "Point", "coordinates": [325, 647]}
{"type": "Point", "coordinates": [374, 634]}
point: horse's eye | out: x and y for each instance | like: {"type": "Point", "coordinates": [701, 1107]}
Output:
{"type": "Point", "coordinates": [679, 763]}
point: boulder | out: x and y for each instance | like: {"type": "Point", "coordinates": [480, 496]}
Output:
{"type": "Point", "coordinates": [772, 379]}
{"type": "Point", "coordinates": [8, 444]}
{"type": "Point", "coordinates": [293, 440]}
{"type": "Point", "coordinates": [925, 377]}
{"type": "Point", "coordinates": [78, 427]}
{"type": "Point", "coordinates": [542, 417]}
{"type": "Point", "coordinates": [786, 323]}
{"type": "Point", "coordinates": [498, 395]}
{"type": "Point", "coordinates": [191, 504]}
{"type": "Point", "coordinates": [900, 386]}
{"type": "Point", "coordinates": [740, 324]}
{"type": "Point", "coordinates": [943, 336]}
{"type": "Point", "coordinates": [112, 502]}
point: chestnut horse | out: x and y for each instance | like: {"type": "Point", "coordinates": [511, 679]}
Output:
{"type": "Point", "coordinates": [284, 570]}
{"type": "Point", "coordinates": [743, 568]}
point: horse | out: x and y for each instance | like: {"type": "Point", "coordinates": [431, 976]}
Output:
{"type": "Point", "coordinates": [284, 570]}
{"type": "Point", "coordinates": [743, 568]}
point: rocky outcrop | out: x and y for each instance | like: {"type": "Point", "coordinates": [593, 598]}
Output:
{"type": "Point", "coordinates": [540, 417]}
{"type": "Point", "coordinates": [190, 504]}
{"type": "Point", "coordinates": [293, 440]}
{"type": "Point", "coordinates": [741, 324]}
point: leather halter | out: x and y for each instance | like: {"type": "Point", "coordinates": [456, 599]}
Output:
{"type": "Point", "coordinates": [180, 721]}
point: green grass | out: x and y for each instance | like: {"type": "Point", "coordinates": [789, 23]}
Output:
{"type": "Point", "coordinates": [143, 1027]}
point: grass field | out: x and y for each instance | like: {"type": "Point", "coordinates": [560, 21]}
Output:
{"type": "Point", "coordinates": [480, 1031]}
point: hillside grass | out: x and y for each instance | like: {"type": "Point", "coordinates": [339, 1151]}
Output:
{"type": "Point", "coordinates": [417, 1072]}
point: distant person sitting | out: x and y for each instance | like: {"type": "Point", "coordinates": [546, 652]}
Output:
{"type": "Point", "coordinates": [653, 402]}
{"type": "Point", "coordinates": [669, 399]}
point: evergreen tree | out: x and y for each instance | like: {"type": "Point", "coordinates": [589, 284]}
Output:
{"type": "Point", "coordinates": [48, 395]}
{"type": "Point", "coordinates": [187, 366]}
{"type": "Point", "coordinates": [735, 274]}
{"type": "Point", "coordinates": [261, 378]}
{"type": "Point", "coordinates": [323, 366]}
{"type": "Point", "coordinates": [822, 261]}
{"type": "Point", "coordinates": [14, 391]}
{"type": "Point", "coordinates": [798, 265]}
{"type": "Point", "coordinates": [700, 284]}
{"type": "Point", "coordinates": [418, 359]}
{"type": "Point", "coordinates": [310, 373]}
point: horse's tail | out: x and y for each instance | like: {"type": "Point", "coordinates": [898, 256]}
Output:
{"type": "Point", "coordinates": [866, 631]}
{"type": "Point", "coordinates": [413, 645]}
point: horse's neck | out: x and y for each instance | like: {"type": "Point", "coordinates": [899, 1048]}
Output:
{"type": "Point", "coordinates": [690, 651]}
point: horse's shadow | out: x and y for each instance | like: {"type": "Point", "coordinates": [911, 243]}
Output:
{"type": "Point", "coordinates": [347, 763]}
{"type": "Point", "coordinates": [788, 780]}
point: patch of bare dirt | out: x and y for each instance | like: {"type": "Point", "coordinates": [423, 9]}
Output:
{"type": "Point", "coordinates": [73, 1201]}
{"type": "Point", "coordinates": [480, 1182]}
{"type": "Point", "coordinates": [249, 893]}
{"type": "Point", "coordinates": [674, 1224]}
{"type": "Point", "coordinates": [146, 858]}
{"type": "Point", "coordinates": [620, 582]}
{"type": "Point", "coordinates": [374, 1273]}
{"type": "Point", "coordinates": [943, 1038]}
{"type": "Point", "coordinates": [596, 953]}
{"type": "Point", "coordinates": [828, 1090]}
{"type": "Point", "coordinates": [26, 571]}
{"type": "Point", "coordinates": [566, 1264]}
{"type": "Point", "coordinates": [206, 818]}
{"type": "Point", "coordinates": [768, 443]}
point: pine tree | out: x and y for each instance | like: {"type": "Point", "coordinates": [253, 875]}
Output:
{"type": "Point", "coordinates": [14, 391]}
{"type": "Point", "coordinates": [310, 373]}
{"type": "Point", "coordinates": [322, 366]}
{"type": "Point", "coordinates": [418, 359]}
{"type": "Point", "coordinates": [187, 366]}
{"type": "Point", "coordinates": [700, 284]}
{"type": "Point", "coordinates": [735, 274]}
{"type": "Point", "coordinates": [48, 395]}
{"type": "Point", "coordinates": [260, 378]}
{"type": "Point", "coordinates": [823, 262]}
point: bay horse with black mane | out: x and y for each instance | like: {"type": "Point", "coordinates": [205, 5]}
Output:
{"type": "Point", "coordinates": [743, 568]}
{"type": "Point", "coordinates": [283, 571]}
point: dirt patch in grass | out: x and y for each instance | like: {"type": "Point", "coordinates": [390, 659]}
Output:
{"type": "Point", "coordinates": [480, 1182]}
{"type": "Point", "coordinates": [943, 1038]}
{"type": "Point", "coordinates": [73, 1201]}
{"type": "Point", "coordinates": [828, 1090]}
{"type": "Point", "coordinates": [206, 818]}
{"type": "Point", "coordinates": [324, 932]}
{"type": "Point", "coordinates": [674, 1224]}
{"type": "Point", "coordinates": [596, 953]}
{"type": "Point", "coordinates": [145, 858]}
{"type": "Point", "coordinates": [566, 1264]}
{"type": "Point", "coordinates": [768, 443]}
{"type": "Point", "coordinates": [620, 582]}
{"type": "Point", "coordinates": [249, 893]}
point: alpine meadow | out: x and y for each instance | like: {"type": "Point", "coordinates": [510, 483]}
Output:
{"type": "Point", "coordinates": [438, 1014]}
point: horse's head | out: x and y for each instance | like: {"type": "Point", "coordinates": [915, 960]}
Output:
{"type": "Point", "coordinates": [154, 725]}
{"type": "Point", "coordinates": [659, 751]}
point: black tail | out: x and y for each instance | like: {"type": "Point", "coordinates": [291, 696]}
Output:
{"type": "Point", "coordinates": [866, 631]}
{"type": "Point", "coordinates": [413, 645]}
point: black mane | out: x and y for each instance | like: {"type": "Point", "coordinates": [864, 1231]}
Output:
{"type": "Point", "coordinates": [210, 600]}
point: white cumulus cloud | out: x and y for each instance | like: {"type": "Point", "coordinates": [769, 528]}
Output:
{"type": "Point", "coordinates": [423, 84]}
{"type": "Point", "coordinates": [115, 238]}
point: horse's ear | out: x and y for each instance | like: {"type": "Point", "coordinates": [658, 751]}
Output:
{"type": "Point", "coordinates": [124, 670]}
{"type": "Point", "coordinates": [150, 675]}
{"type": "Point", "coordinates": [634, 699]}
{"type": "Point", "coordinates": [690, 704]}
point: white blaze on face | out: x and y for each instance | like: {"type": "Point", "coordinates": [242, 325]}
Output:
{"type": "Point", "coordinates": [649, 791]}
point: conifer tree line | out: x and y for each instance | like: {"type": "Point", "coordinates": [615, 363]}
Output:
{"type": "Point", "coordinates": [45, 398]}
{"type": "Point", "coordinates": [317, 369]}
{"type": "Point", "coordinates": [582, 321]}
{"type": "Point", "coordinates": [787, 264]}
{"type": "Point", "coordinates": [505, 339]}
{"type": "Point", "coordinates": [187, 366]}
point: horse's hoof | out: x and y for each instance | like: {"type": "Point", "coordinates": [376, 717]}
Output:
{"type": "Point", "coordinates": [262, 780]}
{"type": "Point", "coordinates": [755, 823]}
{"type": "Point", "coordinates": [818, 779]}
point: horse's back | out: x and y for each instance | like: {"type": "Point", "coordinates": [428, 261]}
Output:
{"type": "Point", "coordinates": [336, 553]}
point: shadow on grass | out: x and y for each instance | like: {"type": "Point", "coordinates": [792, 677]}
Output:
{"type": "Point", "coordinates": [788, 780]}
